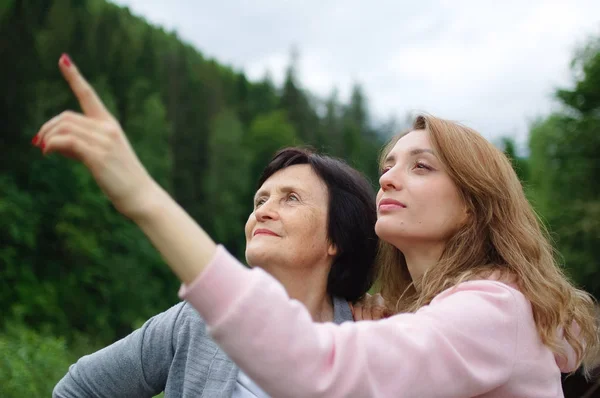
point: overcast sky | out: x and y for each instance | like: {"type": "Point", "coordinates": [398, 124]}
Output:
{"type": "Point", "coordinates": [491, 65]}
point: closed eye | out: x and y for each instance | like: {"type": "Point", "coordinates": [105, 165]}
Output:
{"type": "Point", "coordinates": [422, 166]}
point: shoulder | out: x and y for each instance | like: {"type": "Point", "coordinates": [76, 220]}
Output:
{"type": "Point", "coordinates": [481, 316]}
{"type": "Point", "coordinates": [481, 305]}
{"type": "Point", "coordinates": [197, 358]}
{"type": "Point", "coordinates": [179, 323]}
{"type": "Point", "coordinates": [191, 338]}
{"type": "Point", "coordinates": [179, 315]}
{"type": "Point", "coordinates": [188, 322]}
{"type": "Point", "coordinates": [486, 290]}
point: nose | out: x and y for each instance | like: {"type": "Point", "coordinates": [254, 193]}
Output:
{"type": "Point", "coordinates": [389, 180]}
{"type": "Point", "coordinates": [267, 211]}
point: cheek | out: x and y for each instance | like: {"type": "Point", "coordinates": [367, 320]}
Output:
{"type": "Point", "coordinates": [380, 229]}
{"type": "Point", "coordinates": [249, 226]}
{"type": "Point", "coordinates": [448, 205]}
{"type": "Point", "coordinates": [314, 227]}
{"type": "Point", "coordinates": [453, 200]}
{"type": "Point", "coordinates": [379, 194]}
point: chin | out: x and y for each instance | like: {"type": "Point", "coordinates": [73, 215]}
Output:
{"type": "Point", "coordinates": [396, 234]}
{"type": "Point", "coordinates": [387, 229]}
{"type": "Point", "coordinates": [258, 255]}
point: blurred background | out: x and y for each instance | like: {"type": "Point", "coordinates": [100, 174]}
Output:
{"type": "Point", "coordinates": [208, 91]}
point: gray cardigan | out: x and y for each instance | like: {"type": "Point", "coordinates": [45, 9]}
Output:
{"type": "Point", "coordinates": [171, 352]}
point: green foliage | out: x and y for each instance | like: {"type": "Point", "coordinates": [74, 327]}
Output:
{"type": "Point", "coordinates": [227, 182]}
{"type": "Point", "coordinates": [519, 163]}
{"type": "Point", "coordinates": [361, 144]}
{"type": "Point", "coordinates": [585, 96]}
{"type": "Point", "coordinates": [300, 112]}
{"type": "Point", "coordinates": [269, 133]}
{"type": "Point", "coordinates": [5, 7]}
{"type": "Point", "coordinates": [565, 170]}
{"type": "Point", "coordinates": [31, 363]}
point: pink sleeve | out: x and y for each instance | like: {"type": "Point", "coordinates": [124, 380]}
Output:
{"type": "Point", "coordinates": [462, 344]}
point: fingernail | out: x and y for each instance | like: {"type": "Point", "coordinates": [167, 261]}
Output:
{"type": "Point", "coordinates": [42, 145]}
{"type": "Point", "coordinates": [35, 139]}
{"type": "Point", "coordinates": [66, 60]}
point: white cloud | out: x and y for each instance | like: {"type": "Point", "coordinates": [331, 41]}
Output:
{"type": "Point", "coordinates": [491, 65]}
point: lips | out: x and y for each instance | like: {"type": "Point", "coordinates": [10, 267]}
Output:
{"type": "Point", "coordinates": [264, 231]}
{"type": "Point", "coordinates": [390, 204]}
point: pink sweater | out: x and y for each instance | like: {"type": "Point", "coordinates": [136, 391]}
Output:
{"type": "Point", "coordinates": [477, 339]}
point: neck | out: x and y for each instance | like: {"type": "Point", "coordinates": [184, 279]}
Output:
{"type": "Point", "coordinates": [419, 258]}
{"type": "Point", "coordinates": [309, 286]}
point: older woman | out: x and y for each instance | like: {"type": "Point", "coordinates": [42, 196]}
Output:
{"type": "Point", "coordinates": [484, 308]}
{"type": "Point", "coordinates": [311, 228]}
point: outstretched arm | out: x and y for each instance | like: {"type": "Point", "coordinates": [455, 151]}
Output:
{"type": "Point", "coordinates": [463, 344]}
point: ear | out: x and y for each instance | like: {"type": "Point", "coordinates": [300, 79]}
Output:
{"type": "Point", "coordinates": [332, 250]}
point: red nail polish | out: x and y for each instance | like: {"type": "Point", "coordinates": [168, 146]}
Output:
{"type": "Point", "coordinates": [43, 145]}
{"type": "Point", "coordinates": [35, 140]}
{"type": "Point", "coordinates": [66, 60]}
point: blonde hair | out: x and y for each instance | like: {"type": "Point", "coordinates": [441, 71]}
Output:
{"type": "Point", "coordinates": [503, 235]}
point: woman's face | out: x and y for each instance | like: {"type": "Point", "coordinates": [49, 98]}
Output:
{"type": "Point", "coordinates": [417, 202]}
{"type": "Point", "coordinates": [288, 226]}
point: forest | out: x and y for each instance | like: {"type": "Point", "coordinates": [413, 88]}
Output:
{"type": "Point", "coordinates": [75, 275]}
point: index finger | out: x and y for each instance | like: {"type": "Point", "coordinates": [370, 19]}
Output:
{"type": "Point", "coordinates": [90, 103]}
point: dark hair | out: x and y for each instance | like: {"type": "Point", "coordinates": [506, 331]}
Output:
{"type": "Point", "coordinates": [351, 219]}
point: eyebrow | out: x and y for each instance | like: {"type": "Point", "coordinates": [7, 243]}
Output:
{"type": "Point", "coordinates": [285, 189]}
{"type": "Point", "coordinates": [412, 152]}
